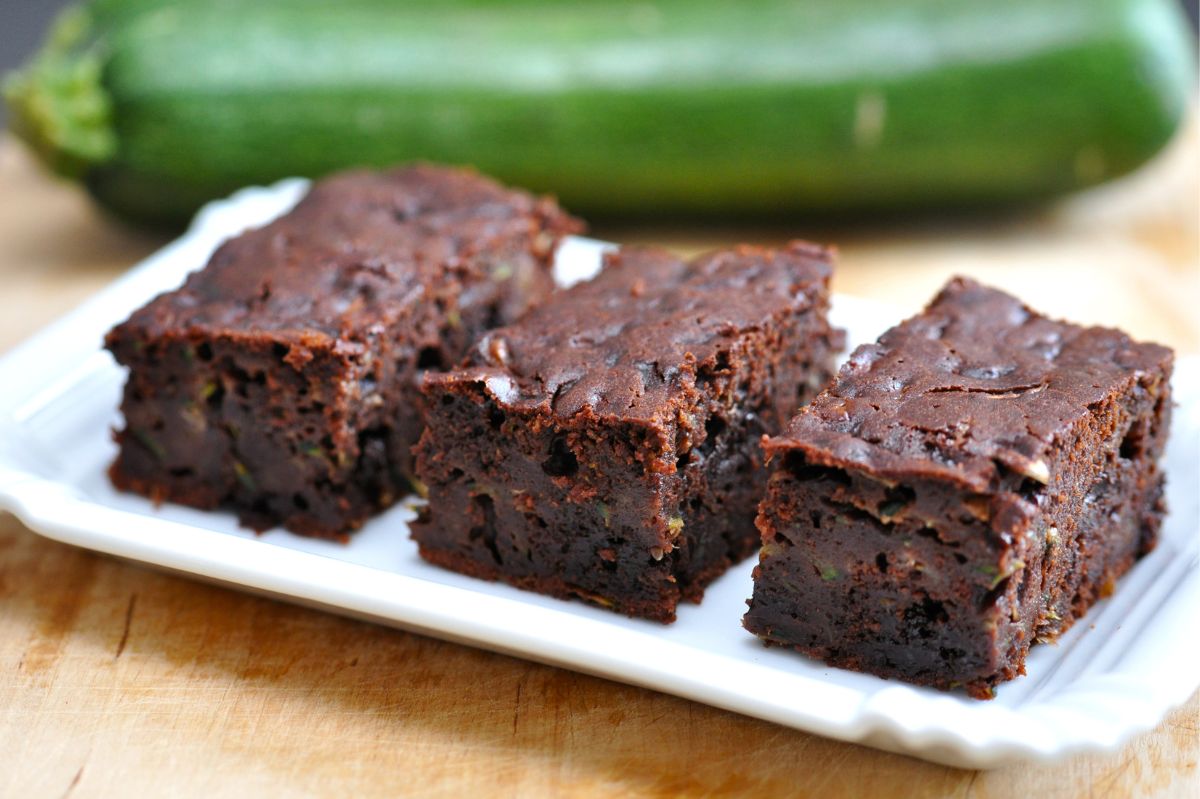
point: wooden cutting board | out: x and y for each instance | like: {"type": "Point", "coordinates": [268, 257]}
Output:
{"type": "Point", "coordinates": [117, 680]}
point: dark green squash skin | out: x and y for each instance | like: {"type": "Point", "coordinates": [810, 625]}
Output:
{"type": "Point", "coordinates": [638, 109]}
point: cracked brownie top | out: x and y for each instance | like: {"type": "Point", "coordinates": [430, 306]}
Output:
{"type": "Point", "coordinates": [624, 343]}
{"type": "Point", "coordinates": [363, 248]}
{"type": "Point", "coordinates": [974, 389]}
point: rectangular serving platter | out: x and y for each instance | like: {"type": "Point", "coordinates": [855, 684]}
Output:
{"type": "Point", "coordinates": [1116, 673]}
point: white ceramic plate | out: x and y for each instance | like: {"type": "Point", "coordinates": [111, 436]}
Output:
{"type": "Point", "coordinates": [1115, 674]}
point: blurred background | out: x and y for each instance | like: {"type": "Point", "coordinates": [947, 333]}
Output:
{"type": "Point", "coordinates": [636, 111]}
{"type": "Point", "coordinates": [25, 23]}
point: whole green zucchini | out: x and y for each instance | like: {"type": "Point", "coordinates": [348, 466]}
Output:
{"type": "Point", "coordinates": [663, 106]}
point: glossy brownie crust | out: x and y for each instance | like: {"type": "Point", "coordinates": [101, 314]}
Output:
{"type": "Point", "coordinates": [607, 446]}
{"type": "Point", "coordinates": [969, 485]}
{"type": "Point", "coordinates": [281, 379]}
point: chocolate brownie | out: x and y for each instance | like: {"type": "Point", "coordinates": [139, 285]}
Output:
{"type": "Point", "coordinates": [606, 447]}
{"type": "Point", "coordinates": [969, 484]}
{"type": "Point", "coordinates": [281, 379]}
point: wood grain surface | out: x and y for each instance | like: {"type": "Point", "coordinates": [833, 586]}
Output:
{"type": "Point", "coordinates": [116, 680]}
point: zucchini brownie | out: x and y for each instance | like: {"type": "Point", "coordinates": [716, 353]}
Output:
{"type": "Point", "coordinates": [606, 447]}
{"type": "Point", "coordinates": [970, 484]}
{"type": "Point", "coordinates": [281, 379]}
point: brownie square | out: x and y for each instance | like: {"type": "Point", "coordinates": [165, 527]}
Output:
{"type": "Point", "coordinates": [606, 447]}
{"type": "Point", "coordinates": [969, 484]}
{"type": "Point", "coordinates": [281, 379]}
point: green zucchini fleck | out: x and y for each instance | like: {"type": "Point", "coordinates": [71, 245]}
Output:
{"type": "Point", "coordinates": [828, 572]}
{"type": "Point", "coordinates": [149, 442]}
{"type": "Point", "coordinates": [997, 575]}
{"type": "Point", "coordinates": [244, 477]}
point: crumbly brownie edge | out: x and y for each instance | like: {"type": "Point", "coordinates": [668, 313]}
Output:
{"type": "Point", "coordinates": [228, 422]}
{"type": "Point", "coordinates": [661, 610]}
{"type": "Point", "coordinates": [503, 484]}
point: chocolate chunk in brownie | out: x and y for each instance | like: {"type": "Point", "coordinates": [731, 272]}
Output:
{"type": "Point", "coordinates": [606, 447]}
{"type": "Point", "coordinates": [969, 484]}
{"type": "Point", "coordinates": [281, 379]}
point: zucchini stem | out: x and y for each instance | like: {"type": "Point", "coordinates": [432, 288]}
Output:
{"type": "Point", "coordinates": [57, 103]}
